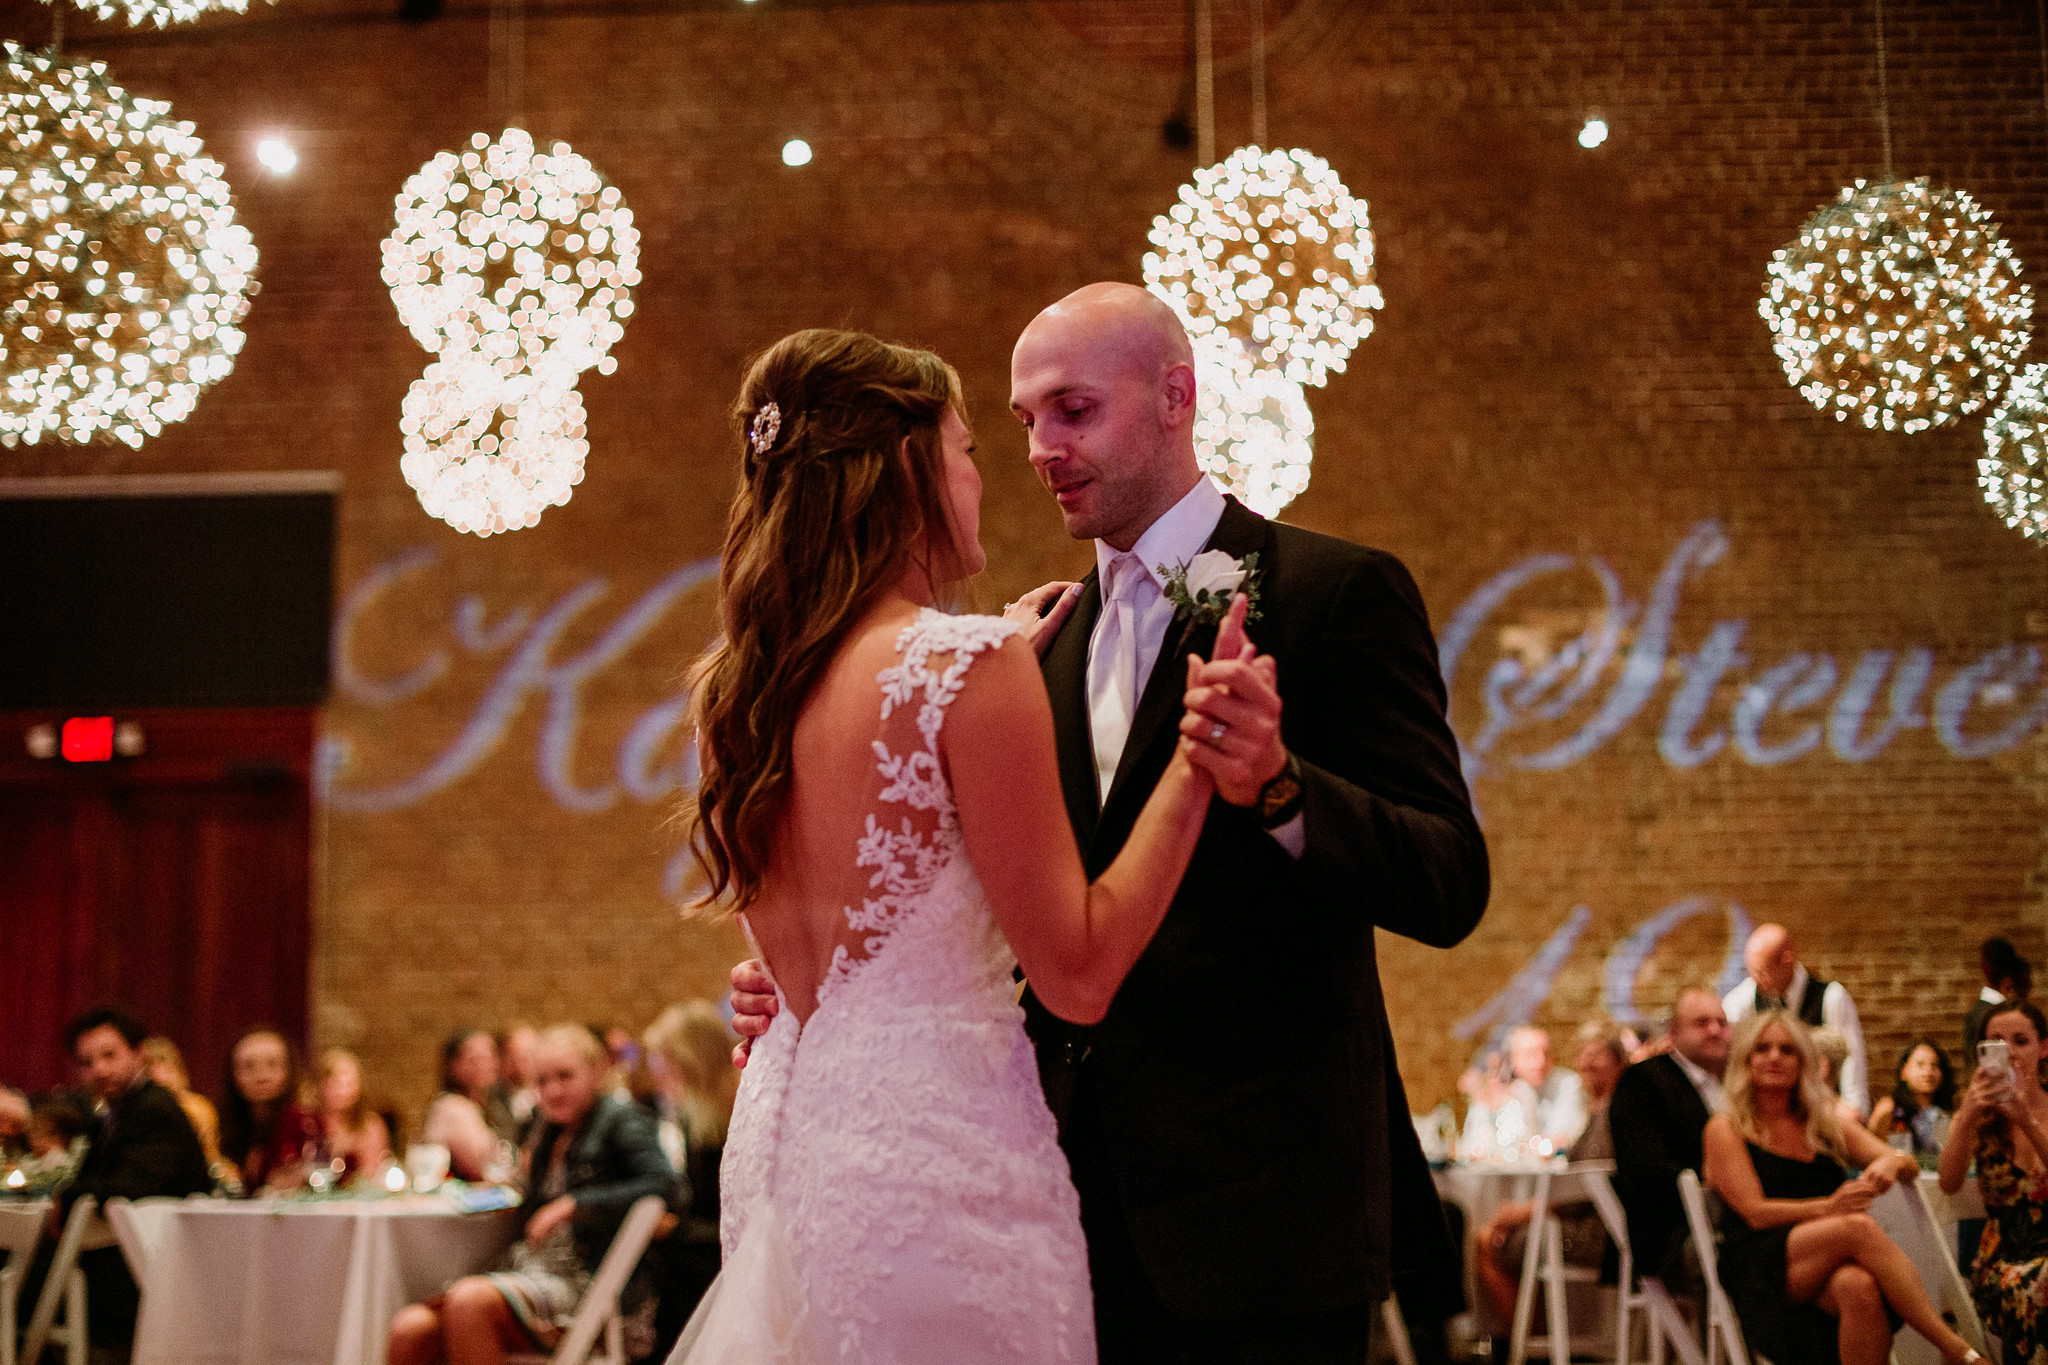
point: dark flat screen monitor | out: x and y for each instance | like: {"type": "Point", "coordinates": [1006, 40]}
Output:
{"type": "Point", "coordinates": [170, 591]}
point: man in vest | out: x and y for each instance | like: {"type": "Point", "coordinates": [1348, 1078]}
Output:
{"type": "Point", "coordinates": [1778, 981]}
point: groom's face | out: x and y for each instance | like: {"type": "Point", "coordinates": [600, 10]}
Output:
{"type": "Point", "coordinates": [1091, 410]}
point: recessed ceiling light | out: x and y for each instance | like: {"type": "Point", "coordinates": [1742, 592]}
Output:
{"type": "Point", "coordinates": [276, 155]}
{"type": "Point", "coordinates": [796, 152]}
{"type": "Point", "coordinates": [1594, 133]}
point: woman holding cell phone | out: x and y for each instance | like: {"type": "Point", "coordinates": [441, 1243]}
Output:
{"type": "Point", "coordinates": [2003, 1123]}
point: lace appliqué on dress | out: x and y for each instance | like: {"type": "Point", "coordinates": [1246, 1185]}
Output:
{"type": "Point", "coordinates": [909, 858]}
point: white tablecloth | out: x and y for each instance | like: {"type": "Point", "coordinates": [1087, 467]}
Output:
{"type": "Point", "coordinates": [262, 1283]}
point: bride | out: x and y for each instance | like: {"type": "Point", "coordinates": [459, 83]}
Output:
{"type": "Point", "coordinates": [881, 806]}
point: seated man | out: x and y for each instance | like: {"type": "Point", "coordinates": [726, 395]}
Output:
{"type": "Point", "coordinates": [141, 1145]}
{"type": "Point", "coordinates": [1551, 1101]}
{"type": "Point", "coordinates": [1657, 1118]}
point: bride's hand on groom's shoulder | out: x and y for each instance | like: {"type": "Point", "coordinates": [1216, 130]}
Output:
{"type": "Point", "coordinates": [1039, 621]}
{"type": "Point", "coordinates": [1232, 725]}
{"type": "Point", "coordinates": [753, 1006]}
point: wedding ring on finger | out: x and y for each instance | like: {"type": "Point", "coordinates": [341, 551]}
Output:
{"type": "Point", "coordinates": [1216, 733]}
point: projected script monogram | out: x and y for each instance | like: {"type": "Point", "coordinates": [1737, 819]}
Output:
{"type": "Point", "coordinates": [1581, 694]}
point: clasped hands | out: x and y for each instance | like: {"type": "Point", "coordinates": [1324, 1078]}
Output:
{"type": "Point", "coordinates": [1232, 700]}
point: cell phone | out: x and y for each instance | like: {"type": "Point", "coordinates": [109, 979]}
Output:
{"type": "Point", "coordinates": [1994, 1056]}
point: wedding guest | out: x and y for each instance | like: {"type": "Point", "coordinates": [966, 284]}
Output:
{"type": "Point", "coordinates": [688, 1051]}
{"type": "Point", "coordinates": [14, 1112]}
{"type": "Point", "coordinates": [1778, 980]}
{"type": "Point", "coordinates": [592, 1158]}
{"type": "Point", "coordinates": [142, 1145]}
{"type": "Point", "coordinates": [1601, 1057]}
{"type": "Point", "coordinates": [460, 1118]}
{"type": "Point", "coordinates": [167, 1069]}
{"type": "Point", "coordinates": [1920, 1104]}
{"type": "Point", "coordinates": [1551, 1099]}
{"type": "Point", "coordinates": [1811, 1275]}
{"type": "Point", "coordinates": [356, 1135]}
{"type": "Point", "coordinates": [515, 1078]}
{"type": "Point", "coordinates": [264, 1131]}
{"type": "Point", "coordinates": [1659, 1111]}
{"type": "Point", "coordinates": [2002, 1123]}
{"type": "Point", "coordinates": [2007, 976]}
{"type": "Point", "coordinates": [58, 1135]}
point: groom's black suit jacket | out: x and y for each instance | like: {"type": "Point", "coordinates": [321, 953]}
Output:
{"type": "Point", "coordinates": [1243, 1081]}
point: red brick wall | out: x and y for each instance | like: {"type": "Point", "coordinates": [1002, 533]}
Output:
{"type": "Point", "coordinates": [1569, 362]}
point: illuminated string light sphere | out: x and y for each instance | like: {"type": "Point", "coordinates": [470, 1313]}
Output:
{"type": "Point", "coordinates": [1898, 304]}
{"type": "Point", "coordinates": [123, 273]}
{"type": "Point", "coordinates": [486, 453]}
{"type": "Point", "coordinates": [1254, 434]}
{"type": "Point", "coordinates": [2014, 470]}
{"type": "Point", "coordinates": [1270, 247]}
{"type": "Point", "coordinates": [516, 267]}
{"type": "Point", "coordinates": [162, 13]}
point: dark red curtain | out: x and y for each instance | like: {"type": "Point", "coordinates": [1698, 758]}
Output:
{"type": "Point", "coordinates": [175, 884]}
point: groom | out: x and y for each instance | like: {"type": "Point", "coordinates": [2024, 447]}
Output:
{"type": "Point", "coordinates": [1245, 1161]}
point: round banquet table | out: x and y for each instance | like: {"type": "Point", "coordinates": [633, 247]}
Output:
{"type": "Point", "coordinates": [295, 1283]}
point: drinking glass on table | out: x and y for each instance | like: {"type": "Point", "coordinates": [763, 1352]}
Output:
{"type": "Point", "coordinates": [426, 1163]}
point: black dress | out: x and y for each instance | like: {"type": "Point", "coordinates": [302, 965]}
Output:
{"type": "Point", "coordinates": [1752, 1265]}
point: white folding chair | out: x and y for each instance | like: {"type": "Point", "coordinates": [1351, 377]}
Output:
{"type": "Point", "coordinates": [599, 1311]}
{"type": "Point", "coordinates": [65, 1286]}
{"type": "Point", "coordinates": [1724, 1332]}
{"type": "Point", "coordinates": [1641, 1304]}
{"type": "Point", "coordinates": [21, 1229]}
{"type": "Point", "coordinates": [1952, 1294]}
{"type": "Point", "coordinates": [1397, 1332]}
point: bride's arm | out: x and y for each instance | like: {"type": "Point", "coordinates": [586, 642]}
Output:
{"type": "Point", "coordinates": [1075, 941]}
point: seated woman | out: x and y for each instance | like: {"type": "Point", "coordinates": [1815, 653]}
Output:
{"type": "Point", "coordinates": [1918, 1109]}
{"type": "Point", "coordinates": [2003, 1123]}
{"type": "Point", "coordinates": [356, 1135]}
{"type": "Point", "coordinates": [1602, 1053]}
{"type": "Point", "coordinates": [1810, 1273]}
{"type": "Point", "coordinates": [591, 1159]}
{"type": "Point", "coordinates": [167, 1069]}
{"type": "Point", "coordinates": [264, 1133]}
{"type": "Point", "coordinates": [458, 1118]}
{"type": "Point", "coordinates": [689, 1055]}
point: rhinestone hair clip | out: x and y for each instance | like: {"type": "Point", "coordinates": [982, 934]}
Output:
{"type": "Point", "coordinates": [767, 426]}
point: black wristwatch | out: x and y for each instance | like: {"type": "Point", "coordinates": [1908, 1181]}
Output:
{"type": "Point", "coordinates": [1280, 799]}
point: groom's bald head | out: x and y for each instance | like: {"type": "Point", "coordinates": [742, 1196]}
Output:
{"type": "Point", "coordinates": [1104, 382]}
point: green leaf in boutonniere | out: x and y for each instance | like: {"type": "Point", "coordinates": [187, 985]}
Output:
{"type": "Point", "coordinates": [1201, 589]}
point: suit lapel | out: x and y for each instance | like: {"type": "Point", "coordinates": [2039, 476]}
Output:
{"type": "Point", "coordinates": [1238, 533]}
{"type": "Point", "coordinates": [1066, 682]}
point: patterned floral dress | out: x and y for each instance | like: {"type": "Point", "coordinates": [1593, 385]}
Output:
{"type": "Point", "coordinates": [2009, 1279]}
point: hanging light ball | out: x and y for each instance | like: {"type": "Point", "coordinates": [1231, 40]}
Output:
{"type": "Point", "coordinates": [123, 273]}
{"type": "Point", "coordinates": [1254, 434]}
{"type": "Point", "coordinates": [516, 267]}
{"type": "Point", "coordinates": [515, 253]}
{"type": "Point", "coordinates": [1898, 304]}
{"type": "Point", "coordinates": [2014, 470]}
{"type": "Point", "coordinates": [486, 453]}
{"type": "Point", "coordinates": [1270, 247]}
{"type": "Point", "coordinates": [159, 12]}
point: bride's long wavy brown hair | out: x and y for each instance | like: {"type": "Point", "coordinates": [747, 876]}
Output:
{"type": "Point", "coordinates": [848, 497]}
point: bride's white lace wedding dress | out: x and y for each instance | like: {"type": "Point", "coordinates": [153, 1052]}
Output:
{"type": "Point", "coordinates": [892, 1186]}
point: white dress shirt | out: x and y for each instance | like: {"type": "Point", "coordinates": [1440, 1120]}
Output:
{"type": "Point", "coordinates": [1177, 537]}
{"type": "Point", "coordinates": [1836, 1010]}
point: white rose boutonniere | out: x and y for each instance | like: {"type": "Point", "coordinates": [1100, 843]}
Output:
{"type": "Point", "coordinates": [1202, 587]}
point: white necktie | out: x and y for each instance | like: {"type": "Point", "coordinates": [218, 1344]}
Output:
{"type": "Point", "coordinates": [1113, 681]}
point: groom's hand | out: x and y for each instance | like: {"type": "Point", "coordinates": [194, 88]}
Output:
{"type": "Point", "coordinates": [753, 1006]}
{"type": "Point", "coordinates": [1233, 714]}
{"type": "Point", "coordinates": [1042, 621]}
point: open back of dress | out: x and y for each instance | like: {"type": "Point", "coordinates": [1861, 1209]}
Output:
{"type": "Point", "coordinates": [892, 1185]}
